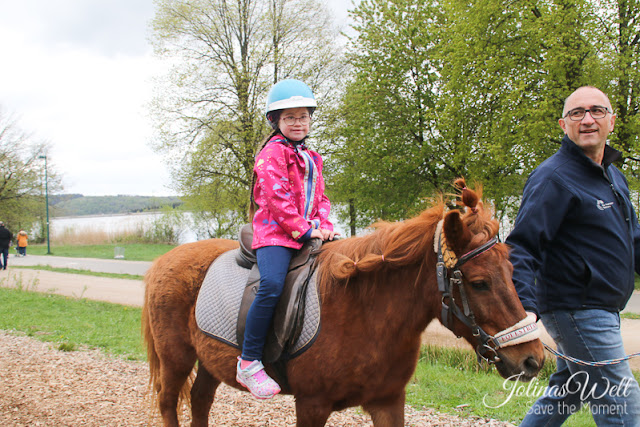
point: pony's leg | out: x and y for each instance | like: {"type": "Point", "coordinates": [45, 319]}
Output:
{"type": "Point", "coordinates": [174, 373]}
{"type": "Point", "coordinates": [389, 413]}
{"type": "Point", "coordinates": [202, 394]}
{"type": "Point", "coordinates": [311, 413]}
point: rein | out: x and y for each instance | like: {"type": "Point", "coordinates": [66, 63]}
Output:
{"type": "Point", "coordinates": [523, 331]}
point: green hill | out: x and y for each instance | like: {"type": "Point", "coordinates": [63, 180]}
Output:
{"type": "Point", "coordinates": [77, 204]}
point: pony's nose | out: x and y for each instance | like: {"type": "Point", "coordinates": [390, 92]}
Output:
{"type": "Point", "coordinates": [531, 366]}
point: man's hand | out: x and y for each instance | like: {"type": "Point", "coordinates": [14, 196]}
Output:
{"type": "Point", "coordinates": [531, 313]}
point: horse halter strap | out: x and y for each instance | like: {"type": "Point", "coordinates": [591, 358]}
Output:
{"type": "Point", "coordinates": [523, 331]}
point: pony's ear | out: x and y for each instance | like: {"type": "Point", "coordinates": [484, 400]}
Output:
{"type": "Point", "coordinates": [456, 232]}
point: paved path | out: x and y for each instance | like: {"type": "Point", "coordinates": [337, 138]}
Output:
{"type": "Point", "coordinates": [92, 264]}
{"type": "Point", "coordinates": [131, 292]}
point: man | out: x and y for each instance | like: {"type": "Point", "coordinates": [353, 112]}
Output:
{"type": "Point", "coordinates": [5, 242]}
{"type": "Point", "coordinates": [575, 244]}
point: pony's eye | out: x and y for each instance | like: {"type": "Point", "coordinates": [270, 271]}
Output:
{"type": "Point", "coordinates": [480, 285]}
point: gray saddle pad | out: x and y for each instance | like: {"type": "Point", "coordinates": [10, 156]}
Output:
{"type": "Point", "coordinates": [219, 301]}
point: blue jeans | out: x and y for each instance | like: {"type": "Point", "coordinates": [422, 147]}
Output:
{"type": "Point", "coordinates": [273, 264]}
{"type": "Point", "coordinates": [611, 391]}
{"type": "Point", "coordinates": [5, 258]}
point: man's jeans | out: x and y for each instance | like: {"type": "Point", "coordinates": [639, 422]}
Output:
{"type": "Point", "coordinates": [5, 258]}
{"type": "Point", "coordinates": [611, 390]}
{"type": "Point", "coordinates": [273, 264]}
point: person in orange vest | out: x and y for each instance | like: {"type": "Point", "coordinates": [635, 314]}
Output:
{"type": "Point", "coordinates": [22, 243]}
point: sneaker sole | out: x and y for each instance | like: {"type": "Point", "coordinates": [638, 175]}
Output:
{"type": "Point", "coordinates": [252, 393]}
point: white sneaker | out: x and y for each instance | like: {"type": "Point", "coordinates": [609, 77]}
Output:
{"type": "Point", "coordinates": [257, 381]}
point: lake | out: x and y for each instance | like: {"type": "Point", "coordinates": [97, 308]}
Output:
{"type": "Point", "coordinates": [113, 224]}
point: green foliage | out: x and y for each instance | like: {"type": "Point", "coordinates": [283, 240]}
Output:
{"type": "Point", "coordinates": [22, 183]}
{"type": "Point", "coordinates": [210, 114]}
{"type": "Point", "coordinates": [442, 89]}
{"type": "Point", "coordinates": [78, 205]}
{"type": "Point", "coordinates": [389, 127]}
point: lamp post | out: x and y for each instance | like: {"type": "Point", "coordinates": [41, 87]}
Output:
{"type": "Point", "coordinates": [46, 199]}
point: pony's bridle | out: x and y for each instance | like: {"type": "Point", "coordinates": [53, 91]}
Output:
{"type": "Point", "coordinates": [523, 331]}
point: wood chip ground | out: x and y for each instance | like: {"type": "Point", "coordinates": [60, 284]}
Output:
{"type": "Point", "coordinates": [42, 386]}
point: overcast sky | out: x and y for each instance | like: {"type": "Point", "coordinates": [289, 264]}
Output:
{"type": "Point", "coordinates": [78, 73]}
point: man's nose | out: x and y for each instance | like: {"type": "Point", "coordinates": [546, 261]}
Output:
{"type": "Point", "coordinates": [588, 118]}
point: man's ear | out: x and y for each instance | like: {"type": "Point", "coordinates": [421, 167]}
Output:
{"type": "Point", "coordinates": [563, 125]}
{"type": "Point", "coordinates": [613, 121]}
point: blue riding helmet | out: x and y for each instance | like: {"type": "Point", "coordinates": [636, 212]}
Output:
{"type": "Point", "coordinates": [286, 94]}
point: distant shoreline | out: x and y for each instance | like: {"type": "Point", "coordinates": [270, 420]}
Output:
{"type": "Point", "coordinates": [107, 214]}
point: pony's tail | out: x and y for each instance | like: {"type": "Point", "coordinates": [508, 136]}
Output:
{"type": "Point", "coordinates": [152, 358]}
{"type": "Point", "coordinates": [155, 381]}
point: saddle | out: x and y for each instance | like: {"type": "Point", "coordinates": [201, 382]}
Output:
{"type": "Point", "coordinates": [288, 319]}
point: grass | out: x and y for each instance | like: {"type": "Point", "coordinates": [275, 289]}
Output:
{"type": "Point", "coordinates": [73, 323]}
{"type": "Point", "coordinates": [82, 272]}
{"type": "Point", "coordinates": [630, 316]}
{"type": "Point", "coordinates": [132, 251]}
{"type": "Point", "coordinates": [448, 380]}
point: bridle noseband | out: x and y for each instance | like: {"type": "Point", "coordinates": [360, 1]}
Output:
{"type": "Point", "coordinates": [525, 330]}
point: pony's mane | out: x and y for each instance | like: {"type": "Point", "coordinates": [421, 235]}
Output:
{"type": "Point", "coordinates": [404, 243]}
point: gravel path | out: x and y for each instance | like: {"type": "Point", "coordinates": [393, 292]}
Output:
{"type": "Point", "coordinates": [41, 386]}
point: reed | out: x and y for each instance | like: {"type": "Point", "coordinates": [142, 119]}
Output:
{"type": "Point", "coordinates": [157, 233]}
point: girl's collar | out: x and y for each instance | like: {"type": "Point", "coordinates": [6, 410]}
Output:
{"type": "Point", "coordinates": [296, 145]}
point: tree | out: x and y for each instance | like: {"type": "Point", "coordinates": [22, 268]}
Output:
{"type": "Point", "coordinates": [618, 42]}
{"type": "Point", "coordinates": [509, 67]}
{"type": "Point", "coordinates": [385, 164]}
{"type": "Point", "coordinates": [226, 56]}
{"type": "Point", "coordinates": [446, 88]}
{"type": "Point", "coordinates": [21, 175]}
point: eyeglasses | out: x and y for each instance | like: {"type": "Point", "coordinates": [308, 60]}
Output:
{"type": "Point", "coordinates": [291, 120]}
{"type": "Point", "coordinates": [578, 114]}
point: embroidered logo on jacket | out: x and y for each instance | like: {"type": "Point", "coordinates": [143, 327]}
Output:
{"type": "Point", "coordinates": [602, 205]}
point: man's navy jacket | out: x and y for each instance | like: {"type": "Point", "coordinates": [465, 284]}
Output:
{"type": "Point", "coordinates": [575, 242]}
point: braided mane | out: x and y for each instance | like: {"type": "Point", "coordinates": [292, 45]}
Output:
{"type": "Point", "coordinates": [404, 243]}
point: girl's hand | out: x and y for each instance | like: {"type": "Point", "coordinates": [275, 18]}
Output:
{"type": "Point", "coordinates": [315, 233]}
{"type": "Point", "coordinates": [328, 234]}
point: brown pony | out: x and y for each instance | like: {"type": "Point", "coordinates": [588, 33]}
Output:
{"type": "Point", "coordinates": [378, 293]}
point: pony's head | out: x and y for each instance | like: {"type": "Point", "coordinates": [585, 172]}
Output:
{"type": "Point", "coordinates": [473, 285]}
{"type": "Point", "coordinates": [479, 300]}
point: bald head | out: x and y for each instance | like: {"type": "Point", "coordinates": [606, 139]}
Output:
{"type": "Point", "coordinates": [586, 90]}
{"type": "Point", "coordinates": [588, 133]}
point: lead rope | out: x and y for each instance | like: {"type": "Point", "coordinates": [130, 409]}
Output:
{"type": "Point", "coordinates": [585, 363]}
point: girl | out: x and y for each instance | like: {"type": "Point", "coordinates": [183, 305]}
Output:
{"type": "Point", "coordinates": [292, 208]}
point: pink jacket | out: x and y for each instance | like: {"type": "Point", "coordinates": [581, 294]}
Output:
{"type": "Point", "coordinates": [289, 191]}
